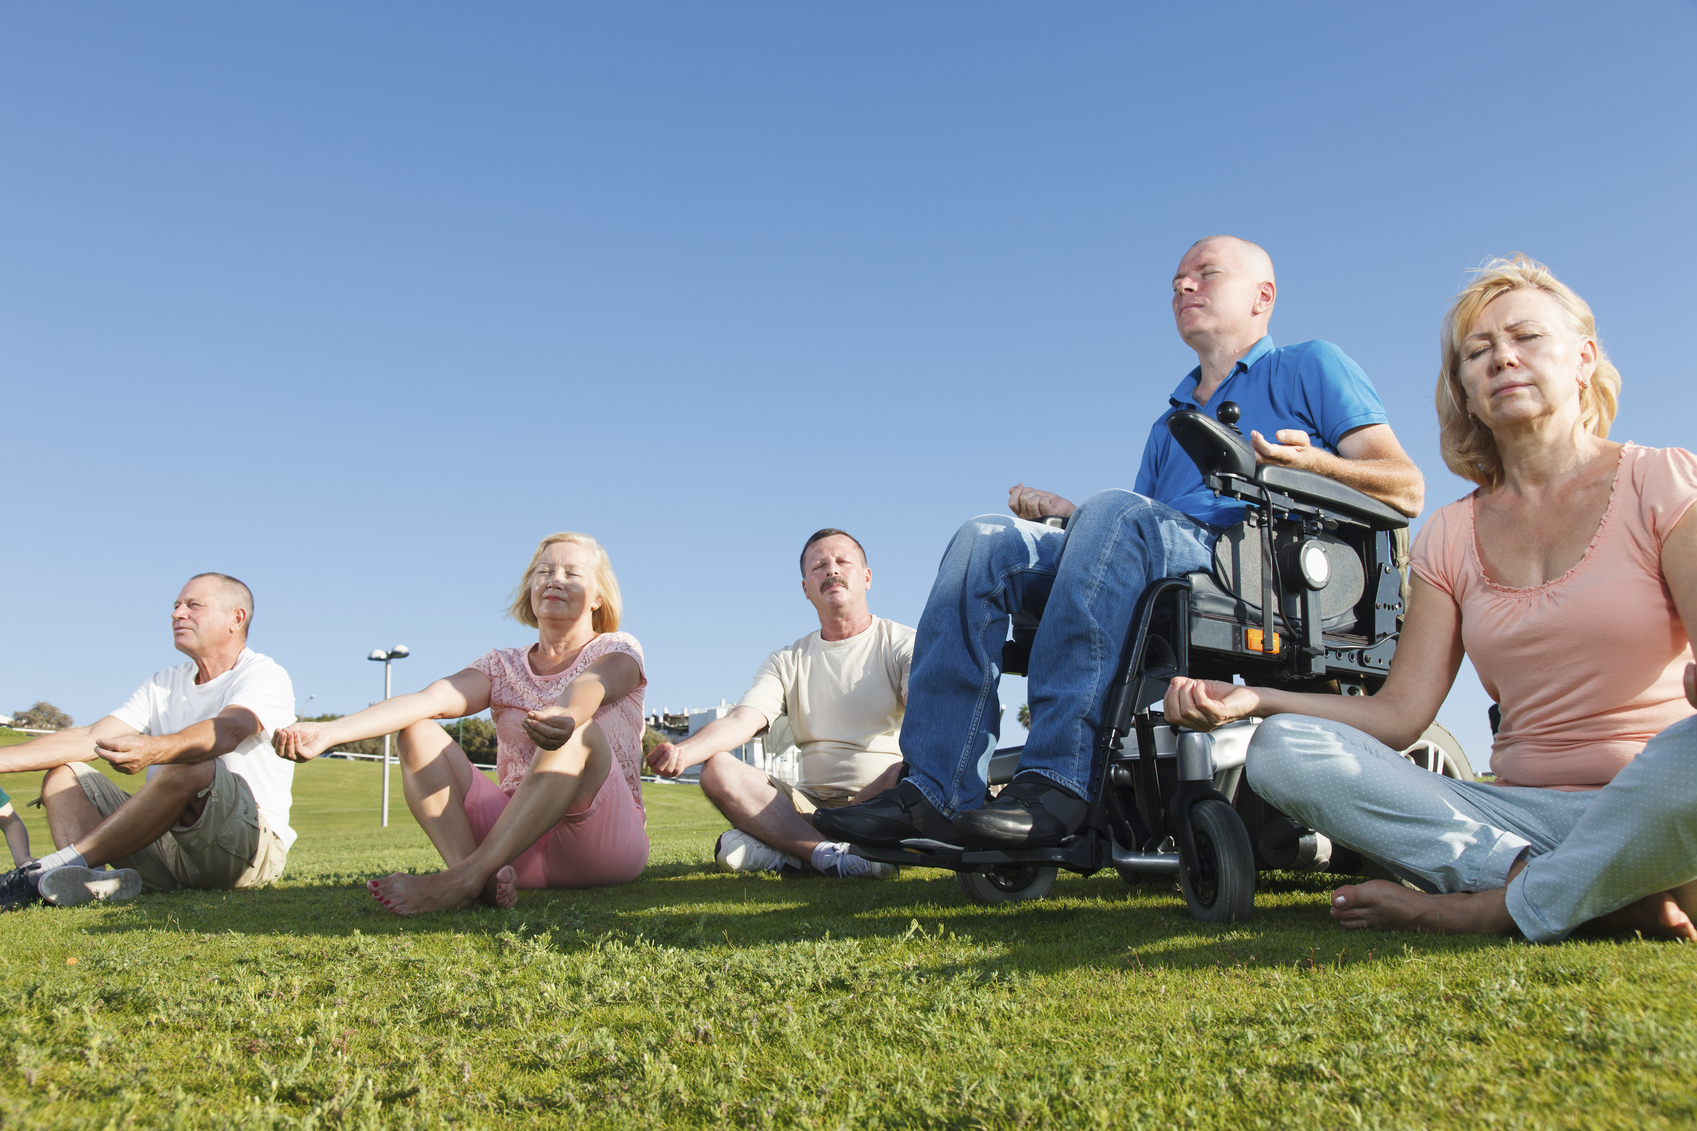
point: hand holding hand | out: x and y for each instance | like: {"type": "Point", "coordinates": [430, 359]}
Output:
{"type": "Point", "coordinates": [301, 742]}
{"type": "Point", "coordinates": [1294, 449]}
{"type": "Point", "coordinates": [127, 753]}
{"type": "Point", "coordinates": [666, 760]}
{"type": "Point", "coordinates": [549, 728]}
{"type": "Point", "coordinates": [1030, 503]}
{"type": "Point", "coordinates": [1203, 704]}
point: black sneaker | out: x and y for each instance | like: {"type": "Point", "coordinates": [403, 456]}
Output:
{"type": "Point", "coordinates": [888, 819]}
{"type": "Point", "coordinates": [1032, 812]}
{"type": "Point", "coordinates": [18, 888]}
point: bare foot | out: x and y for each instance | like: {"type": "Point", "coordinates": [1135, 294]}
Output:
{"type": "Point", "coordinates": [1380, 905]}
{"type": "Point", "coordinates": [1657, 915]}
{"type": "Point", "coordinates": [502, 890]}
{"type": "Point", "coordinates": [415, 895]}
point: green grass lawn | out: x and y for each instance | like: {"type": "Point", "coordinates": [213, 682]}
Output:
{"type": "Point", "coordinates": [693, 998]}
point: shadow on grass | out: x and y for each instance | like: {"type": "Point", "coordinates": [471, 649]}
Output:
{"type": "Point", "coordinates": [1096, 921]}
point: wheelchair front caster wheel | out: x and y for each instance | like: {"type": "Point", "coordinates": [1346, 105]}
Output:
{"type": "Point", "coordinates": [1007, 882]}
{"type": "Point", "coordinates": [1223, 890]}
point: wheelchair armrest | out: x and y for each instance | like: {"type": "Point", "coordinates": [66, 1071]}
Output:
{"type": "Point", "coordinates": [1309, 487]}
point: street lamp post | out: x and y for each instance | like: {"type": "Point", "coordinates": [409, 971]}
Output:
{"type": "Point", "coordinates": [398, 652]}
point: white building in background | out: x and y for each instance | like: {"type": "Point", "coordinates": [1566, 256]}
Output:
{"type": "Point", "coordinates": [773, 752]}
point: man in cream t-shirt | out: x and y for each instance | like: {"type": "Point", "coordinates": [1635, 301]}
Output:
{"type": "Point", "coordinates": [214, 811]}
{"type": "Point", "coordinates": [843, 691]}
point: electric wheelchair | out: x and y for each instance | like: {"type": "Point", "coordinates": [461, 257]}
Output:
{"type": "Point", "coordinates": [1306, 592]}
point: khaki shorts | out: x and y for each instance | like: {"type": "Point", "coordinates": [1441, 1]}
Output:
{"type": "Point", "coordinates": [810, 800]}
{"type": "Point", "coordinates": [230, 846]}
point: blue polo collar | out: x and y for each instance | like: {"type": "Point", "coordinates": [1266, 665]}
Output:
{"type": "Point", "coordinates": [1185, 395]}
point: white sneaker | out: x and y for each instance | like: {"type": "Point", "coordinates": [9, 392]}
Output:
{"type": "Point", "coordinates": [73, 884]}
{"type": "Point", "coordinates": [845, 864]}
{"type": "Point", "coordinates": [736, 851]}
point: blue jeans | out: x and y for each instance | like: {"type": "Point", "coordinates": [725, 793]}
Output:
{"type": "Point", "coordinates": [1085, 582]}
{"type": "Point", "coordinates": [1587, 853]}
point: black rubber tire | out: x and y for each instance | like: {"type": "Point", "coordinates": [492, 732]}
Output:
{"type": "Point", "coordinates": [1224, 892]}
{"type": "Point", "coordinates": [1008, 882]}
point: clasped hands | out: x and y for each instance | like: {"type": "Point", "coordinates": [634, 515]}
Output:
{"type": "Point", "coordinates": [127, 753]}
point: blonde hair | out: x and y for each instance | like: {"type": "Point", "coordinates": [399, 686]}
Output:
{"type": "Point", "coordinates": [1469, 448]}
{"type": "Point", "coordinates": [604, 619]}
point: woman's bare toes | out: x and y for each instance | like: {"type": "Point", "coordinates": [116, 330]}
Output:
{"type": "Point", "coordinates": [502, 890]}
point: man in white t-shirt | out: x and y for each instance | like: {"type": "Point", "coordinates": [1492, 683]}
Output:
{"type": "Point", "coordinates": [214, 811]}
{"type": "Point", "coordinates": [843, 691]}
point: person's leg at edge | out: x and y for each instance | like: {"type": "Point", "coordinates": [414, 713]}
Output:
{"type": "Point", "coordinates": [559, 782]}
{"type": "Point", "coordinates": [994, 566]}
{"type": "Point", "coordinates": [1461, 841]}
{"type": "Point", "coordinates": [1630, 862]}
{"type": "Point", "coordinates": [435, 779]}
{"type": "Point", "coordinates": [171, 798]}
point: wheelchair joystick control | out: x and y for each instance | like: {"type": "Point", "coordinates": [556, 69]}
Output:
{"type": "Point", "coordinates": [1228, 414]}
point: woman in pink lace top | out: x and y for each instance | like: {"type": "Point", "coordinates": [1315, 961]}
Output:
{"type": "Point", "coordinates": [1569, 576]}
{"type": "Point", "coordinates": [565, 810]}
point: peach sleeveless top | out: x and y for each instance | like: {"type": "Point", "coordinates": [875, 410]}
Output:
{"type": "Point", "coordinates": [1588, 667]}
{"type": "Point", "coordinates": [514, 689]}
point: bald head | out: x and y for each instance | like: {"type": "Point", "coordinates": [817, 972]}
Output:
{"type": "Point", "coordinates": [1223, 293]}
{"type": "Point", "coordinates": [231, 595]}
{"type": "Point", "coordinates": [1251, 258]}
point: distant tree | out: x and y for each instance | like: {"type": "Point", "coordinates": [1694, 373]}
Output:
{"type": "Point", "coordinates": [650, 739]}
{"type": "Point", "coordinates": [1025, 715]}
{"type": "Point", "coordinates": [42, 716]}
{"type": "Point", "coordinates": [476, 737]}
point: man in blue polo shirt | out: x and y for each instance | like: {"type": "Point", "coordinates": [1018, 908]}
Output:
{"type": "Point", "coordinates": [1305, 406]}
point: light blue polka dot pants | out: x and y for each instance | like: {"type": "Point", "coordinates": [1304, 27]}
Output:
{"type": "Point", "coordinates": [1587, 853]}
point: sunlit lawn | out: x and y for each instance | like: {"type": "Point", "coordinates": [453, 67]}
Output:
{"type": "Point", "coordinates": [696, 998]}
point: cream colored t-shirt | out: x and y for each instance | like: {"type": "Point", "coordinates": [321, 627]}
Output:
{"type": "Point", "coordinates": [845, 700]}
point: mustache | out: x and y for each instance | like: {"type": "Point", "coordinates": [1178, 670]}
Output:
{"type": "Point", "coordinates": [832, 579]}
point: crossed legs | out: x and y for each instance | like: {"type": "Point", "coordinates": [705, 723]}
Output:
{"type": "Point", "coordinates": [436, 778]}
{"type": "Point", "coordinates": [1494, 859]}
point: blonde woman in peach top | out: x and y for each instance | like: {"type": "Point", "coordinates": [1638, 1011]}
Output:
{"type": "Point", "coordinates": [1570, 578]}
{"type": "Point", "coordinates": [566, 807]}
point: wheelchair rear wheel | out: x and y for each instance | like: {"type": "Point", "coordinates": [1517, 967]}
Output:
{"type": "Point", "coordinates": [1223, 891]}
{"type": "Point", "coordinates": [1007, 882]}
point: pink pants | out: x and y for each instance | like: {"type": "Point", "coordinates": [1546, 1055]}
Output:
{"type": "Point", "coordinates": [605, 844]}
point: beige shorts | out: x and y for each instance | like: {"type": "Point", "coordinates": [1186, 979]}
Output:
{"type": "Point", "coordinates": [230, 846]}
{"type": "Point", "coordinates": [810, 800]}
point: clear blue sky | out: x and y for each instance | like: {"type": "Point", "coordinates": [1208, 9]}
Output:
{"type": "Point", "coordinates": [355, 302]}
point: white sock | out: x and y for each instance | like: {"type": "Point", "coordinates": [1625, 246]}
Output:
{"type": "Point", "coordinates": [59, 859]}
{"type": "Point", "coordinates": [825, 855]}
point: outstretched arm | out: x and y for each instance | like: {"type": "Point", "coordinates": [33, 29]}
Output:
{"type": "Point", "coordinates": [726, 733]}
{"type": "Point", "coordinates": [73, 744]}
{"type": "Point", "coordinates": [1369, 459]}
{"type": "Point", "coordinates": [463, 693]}
{"type": "Point", "coordinates": [1427, 657]}
{"type": "Point", "coordinates": [609, 678]}
{"type": "Point", "coordinates": [200, 742]}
